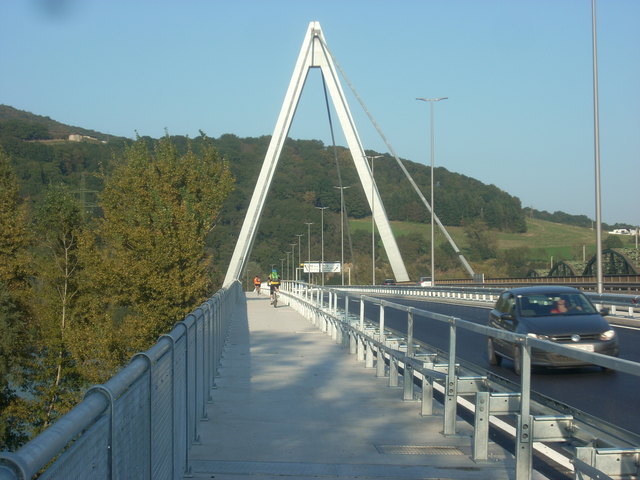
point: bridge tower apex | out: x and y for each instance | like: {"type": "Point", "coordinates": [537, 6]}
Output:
{"type": "Point", "coordinates": [313, 53]}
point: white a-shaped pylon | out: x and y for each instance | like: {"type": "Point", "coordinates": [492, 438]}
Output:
{"type": "Point", "coordinates": [313, 54]}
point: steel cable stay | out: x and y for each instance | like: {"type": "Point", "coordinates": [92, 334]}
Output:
{"type": "Point", "coordinates": [341, 186]}
{"type": "Point", "coordinates": [461, 257]}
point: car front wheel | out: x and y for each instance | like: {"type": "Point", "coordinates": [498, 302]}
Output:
{"type": "Point", "coordinates": [492, 356]}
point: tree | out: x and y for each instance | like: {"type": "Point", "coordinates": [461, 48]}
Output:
{"type": "Point", "coordinates": [14, 301]}
{"type": "Point", "coordinates": [613, 241]}
{"type": "Point", "coordinates": [515, 261]}
{"type": "Point", "coordinates": [482, 241]}
{"type": "Point", "coordinates": [148, 257]}
{"type": "Point", "coordinates": [58, 224]}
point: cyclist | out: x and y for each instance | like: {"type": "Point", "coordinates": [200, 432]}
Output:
{"type": "Point", "coordinates": [257, 282]}
{"type": "Point", "coordinates": [274, 285]}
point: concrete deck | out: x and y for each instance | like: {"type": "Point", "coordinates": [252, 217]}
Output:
{"type": "Point", "coordinates": [292, 403]}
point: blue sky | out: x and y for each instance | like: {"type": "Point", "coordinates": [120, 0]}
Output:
{"type": "Point", "coordinates": [518, 74]}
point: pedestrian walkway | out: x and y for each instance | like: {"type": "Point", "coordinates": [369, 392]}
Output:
{"type": "Point", "coordinates": [291, 403]}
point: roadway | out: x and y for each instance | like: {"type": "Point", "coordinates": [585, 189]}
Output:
{"type": "Point", "coordinates": [609, 396]}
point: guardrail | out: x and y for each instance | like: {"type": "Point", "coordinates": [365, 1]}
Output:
{"type": "Point", "coordinates": [598, 450]}
{"type": "Point", "coordinates": [141, 422]}
{"type": "Point", "coordinates": [618, 304]}
{"type": "Point", "coordinates": [612, 283]}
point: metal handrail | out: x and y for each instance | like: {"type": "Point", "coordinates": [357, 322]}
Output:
{"type": "Point", "coordinates": [615, 301]}
{"type": "Point", "coordinates": [172, 380]}
{"type": "Point", "coordinates": [320, 305]}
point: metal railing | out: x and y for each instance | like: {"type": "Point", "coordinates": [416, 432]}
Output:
{"type": "Point", "coordinates": [141, 422]}
{"type": "Point", "coordinates": [592, 449]}
{"type": "Point", "coordinates": [618, 304]}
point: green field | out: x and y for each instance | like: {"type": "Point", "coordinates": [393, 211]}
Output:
{"type": "Point", "coordinates": [544, 239]}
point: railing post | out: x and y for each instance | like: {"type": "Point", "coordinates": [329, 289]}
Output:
{"type": "Point", "coordinates": [451, 387]}
{"type": "Point", "coordinates": [112, 448]}
{"type": "Point", "coordinates": [361, 314]}
{"type": "Point", "coordinates": [481, 427]}
{"type": "Point", "coordinates": [393, 371]}
{"type": "Point", "coordinates": [150, 435]}
{"type": "Point", "coordinates": [524, 440]}
{"type": "Point", "coordinates": [408, 368]}
{"type": "Point", "coordinates": [353, 348]}
{"type": "Point", "coordinates": [410, 334]}
{"type": "Point", "coordinates": [381, 321]}
{"type": "Point", "coordinates": [368, 355]}
{"type": "Point", "coordinates": [174, 418]}
{"type": "Point", "coordinates": [426, 408]}
{"type": "Point", "coordinates": [407, 381]}
{"type": "Point", "coordinates": [346, 308]}
{"type": "Point", "coordinates": [380, 366]}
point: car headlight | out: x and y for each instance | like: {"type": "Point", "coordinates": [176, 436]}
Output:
{"type": "Point", "coordinates": [608, 335]}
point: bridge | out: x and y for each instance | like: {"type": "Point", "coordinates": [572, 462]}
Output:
{"type": "Point", "coordinates": [335, 383]}
{"type": "Point", "coordinates": [323, 387]}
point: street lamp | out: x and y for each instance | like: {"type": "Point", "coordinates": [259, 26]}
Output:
{"type": "Point", "coordinates": [432, 201]}
{"type": "Point", "coordinates": [284, 276]}
{"type": "Point", "coordinates": [308, 224]}
{"type": "Point", "coordinates": [299, 235]}
{"type": "Point", "coordinates": [293, 260]}
{"type": "Point", "coordinates": [322, 209]}
{"type": "Point", "coordinates": [596, 148]}
{"type": "Point", "coordinates": [373, 225]}
{"type": "Point", "coordinates": [342, 230]}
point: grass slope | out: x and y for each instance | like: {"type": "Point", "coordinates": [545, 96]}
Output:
{"type": "Point", "coordinates": [544, 239]}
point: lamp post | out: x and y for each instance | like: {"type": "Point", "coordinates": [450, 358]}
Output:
{"type": "Point", "coordinates": [293, 261]}
{"type": "Point", "coordinates": [431, 101]}
{"type": "Point", "coordinates": [322, 209]}
{"type": "Point", "coordinates": [342, 189]}
{"type": "Point", "coordinates": [299, 235]}
{"type": "Point", "coordinates": [308, 224]}
{"type": "Point", "coordinates": [287, 274]}
{"type": "Point", "coordinates": [373, 224]}
{"type": "Point", "coordinates": [596, 148]}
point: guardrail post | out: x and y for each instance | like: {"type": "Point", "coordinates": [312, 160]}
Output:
{"type": "Point", "coordinates": [353, 348]}
{"type": "Point", "coordinates": [481, 427]}
{"type": "Point", "coordinates": [451, 385]}
{"type": "Point", "coordinates": [426, 407]}
{"type": "Point", "coordinates": [393, 371]}
{"type": "Point", "coordinates": [368, 355]}
{"type": "Point", "coordinates": [407, 380]}
{"type": "Point", "coordinates": [409, 334]}
{"type": "Point", "coordinates": [346, 308]}
{"type": "Point", "coordinates": [381, 321]}
{"type": "Point", "coordinates": [380, 365]}
{"type": "Point", "coordinates": [360, 342]}
{"type": "Point", "coordinates": [361, 314]}
{"type": "Point", "coordinates": [524, 442]}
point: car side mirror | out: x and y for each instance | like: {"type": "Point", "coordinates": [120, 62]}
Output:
{"type": "Point", "coordinates": [604, 312]}
{"type": "Point", "coordinates": [507, 317]}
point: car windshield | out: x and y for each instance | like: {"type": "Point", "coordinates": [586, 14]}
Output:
{"type": "Point", "coordinates": [549, 304]}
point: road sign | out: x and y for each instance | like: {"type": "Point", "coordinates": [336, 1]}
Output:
{"type": "Point", "coordinates": [314, 267]}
